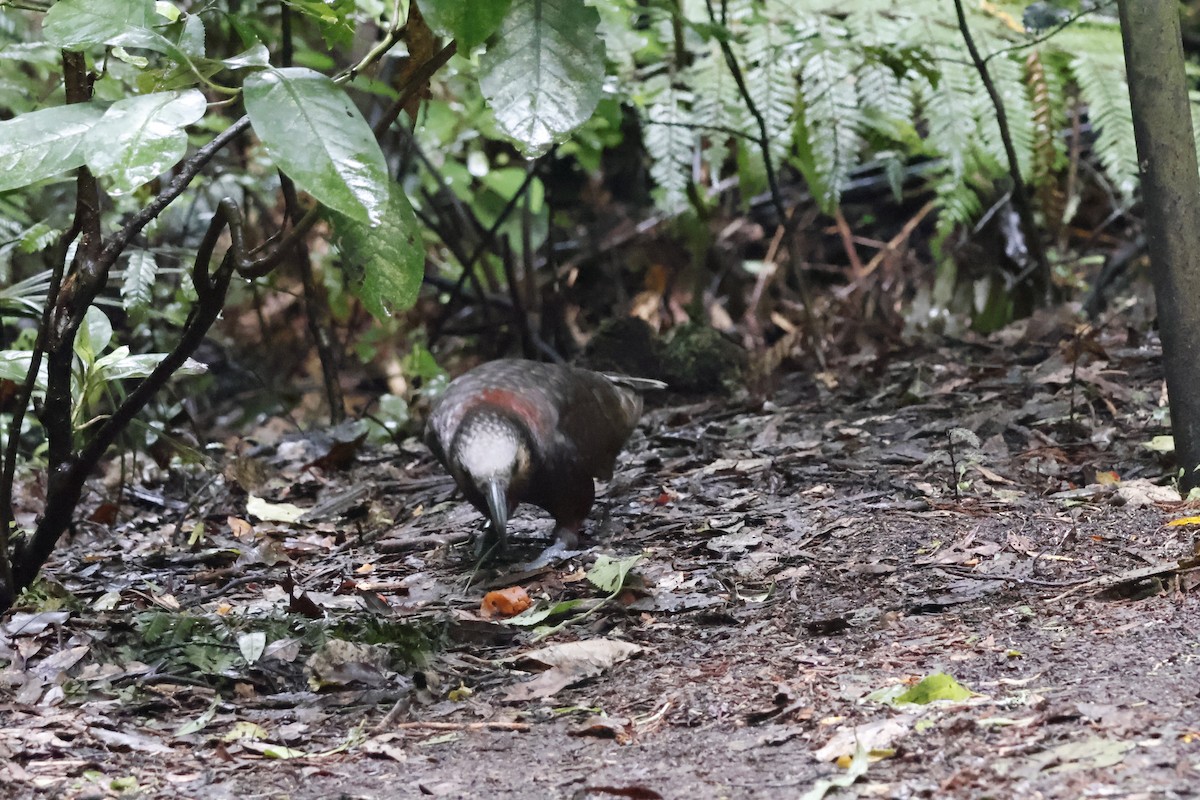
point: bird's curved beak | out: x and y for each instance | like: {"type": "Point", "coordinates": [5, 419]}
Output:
{"type": "Point", "coordinates": [496, 495]}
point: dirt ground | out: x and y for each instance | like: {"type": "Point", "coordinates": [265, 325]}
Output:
{"type": "Point", "coordinates": [983, 510]}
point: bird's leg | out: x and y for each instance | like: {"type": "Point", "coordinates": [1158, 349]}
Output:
{"type": "Point", "coordinates": [570, 516]}
{"type": "Point", "coordinates": [568, 535]}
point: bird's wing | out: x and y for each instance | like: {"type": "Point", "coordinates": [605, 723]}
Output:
{"type": "Point", "coordinates": [596, 420]}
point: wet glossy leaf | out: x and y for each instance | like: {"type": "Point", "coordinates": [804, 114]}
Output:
{"type": "Point", "coordinates": [542, 77]}
{"type": "Point", "coordinates": [42, 144]}
{"type": "Point", "coordinates": [469, 22]}
{"type": "Point", "coordinates": [319, 139]}
{"type": "Point", "coordinates": [141, 137]}
{"type": "Point", "coordinates": [385, 261]}
{"type": "Point", "coordinates": [75, 24]}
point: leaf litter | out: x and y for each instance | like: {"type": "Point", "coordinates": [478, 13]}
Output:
{"type": "Point", "coordinates": [763, 574]}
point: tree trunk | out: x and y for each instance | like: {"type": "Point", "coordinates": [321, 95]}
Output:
{"type": "Point", "coordinates": [1166, 148]}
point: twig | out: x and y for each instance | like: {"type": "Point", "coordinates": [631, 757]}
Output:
{"type": "Point", "coordinates": [68, 474]}
{"type": "Point", "coordinates": [856, 266]}
{"type": "Point", "coordinates": [389, 719]}
{"type": "Point", "coordinates": [1034, 42]}
{"type": "Point", "coordinates": [901, 237]}
{"type": "Point", "coordinates": [414, 85]}
{"type": "Point", "coordinates": [393, 546]}
{"type": "Point", "coordinates": [230, 585]}
{"type": "Point", "coordinates": [496, 725]}
{"type": "Point", "coordinates": [489, 238]}
{"type": "Point", "coordinates": [520, 318]}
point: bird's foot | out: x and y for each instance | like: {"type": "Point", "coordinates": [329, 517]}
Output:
{"type": "Point", "coordinates": [570, 537]}
{"type": "Point", "coordinates": [566, 545]}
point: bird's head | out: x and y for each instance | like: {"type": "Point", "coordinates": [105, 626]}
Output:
{"type": "Point", "coordinates": [493, 454]}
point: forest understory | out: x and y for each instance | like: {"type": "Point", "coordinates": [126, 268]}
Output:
{"type": "Point", "coordinates": [988, 509]}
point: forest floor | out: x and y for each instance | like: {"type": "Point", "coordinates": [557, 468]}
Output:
{"type": "Point", "coordinates": [800, 562]}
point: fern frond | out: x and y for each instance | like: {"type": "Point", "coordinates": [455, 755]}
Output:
{"type": "Point", "coordinates": [717, 106]}
{"type": "Point", "coordinates": [885, 101]}
{"type": "Point", "coordinates": [622, 38]}
{"type": "Point", "coordinates": [952, 110]}
{"type": "Point", "coordinates": [670, 141]}
{"type": "Point", "coordinates": [1049, 149]}
{"type": "Point", "coordinates": [140, 271]}
{"type": "Point", "coordinates": [832, 120]}
{"type": "Point", "coordinates": [1104, 90]}
{"type": "Point", "coordinates": [769, 56]}
{"type": "Point", "coordinates": [959, 205]}
{"type": "Point", "coordinates": [1007, 75]}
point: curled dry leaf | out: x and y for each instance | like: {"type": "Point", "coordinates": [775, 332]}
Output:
{"type": "Point", "coordinates": [874, 737]}
{"type": "Point", "coordinates": [566, 665]}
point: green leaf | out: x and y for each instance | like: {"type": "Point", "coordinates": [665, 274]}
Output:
{"type": "Point", "coordinates": [76, 24]}
{"type": "Point", "coordinates": [535, 615]}
{"type": "Point", "coordinates": [385, 261]}
{"type": "Point", "coordinates": [252, 645]}
{"type": "Point", "coordinates": [256, 56]}
{"type": "Point", "coordinates": [333, 17]}
{"type": "Point", "coordinates": [14, 366]}
{"type": "Point", "coordinates": [191, 38]}
{"type": "Point", "coordinates": [141, 62]}
{"type": "Point", "coordinates": [41, 144]}
{"type": "Point", "coordinates": [26, 297]}
{"type": "Point", "coordinates": [140, 137]}
{"type": "Point", "coordinates": [94, 335]}
{"type": "Point", "coordinates": [199, 723]}
{"type": "Point", "coordinates": [167, 10]}
{"type": "Point", "coordinates": [119, 365]}
{"type": "Point", "coordinates": [318, 137]}
{"type": "Point", "coordinates": [146, 39]}
{"type": "Point", "coordinates": [1161, 444]}
{"type": "Point", "coordinates": [273, 512]}
{"type": "Point", "coordinates": [468, 22]}
{"type": "Point", "coordinates": [608, 574]}
{"type": "Point", "coordinates": [938, 686]}
{"type": "Point", "coordinates": [543, 76]}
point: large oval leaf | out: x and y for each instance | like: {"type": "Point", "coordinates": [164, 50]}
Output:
{"type": "Point", "coordinates": [544, 74]}
{"type": "Point", "coordinates": [386, 262]}
{"type": "Point", "coordinates": [469, 22]}
{"type": "Point", "coordinates": [319, 139]}
{"type": "Point", "coordinates": [14, 366]}
{"type": "Point", "coordinates": [41, 144]}
{"type": "Point", "coordinates": [76, 24]}
{"type": "Point", "coordinates": [139, 137]}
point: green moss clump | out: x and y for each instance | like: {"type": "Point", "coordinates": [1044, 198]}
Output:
{"type": "Point", "coordinates": [697, 358]}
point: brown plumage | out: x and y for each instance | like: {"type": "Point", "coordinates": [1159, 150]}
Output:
{"type": "Point", "coordinates": [515, 431]}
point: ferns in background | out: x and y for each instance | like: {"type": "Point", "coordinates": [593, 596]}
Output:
{"type": "Point", "coordinates": [1102, 86]}
{"type": "Point", "coordinates": [843, 84]}
{"type": "Point", "coordinates": [768, 53]}
{"type": "Point", "coordinates": [832, 123]}
{"type": "Point", "coordinates": [671, 137]}
{"type": "Point", "coordinates": [718, 107]}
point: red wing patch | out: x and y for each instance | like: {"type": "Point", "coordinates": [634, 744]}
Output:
{"type": "Point", "coordinates": [518, 404]}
